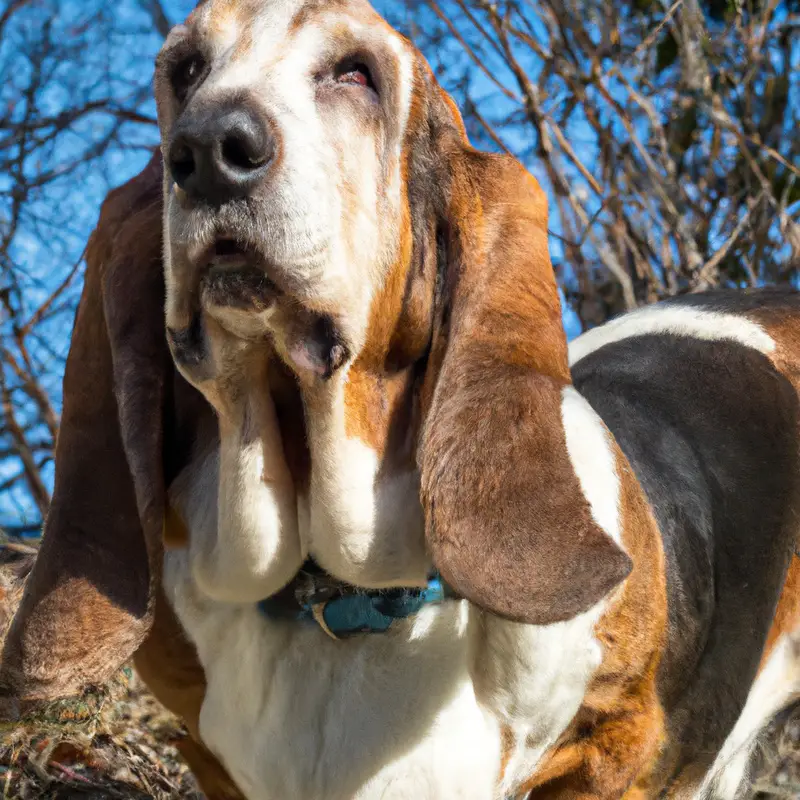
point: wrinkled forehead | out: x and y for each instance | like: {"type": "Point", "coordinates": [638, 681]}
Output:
{"type": "Point", "coordinates": [268, 31]}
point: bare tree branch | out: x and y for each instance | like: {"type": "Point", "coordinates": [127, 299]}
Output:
{"type": "Point", "coordinates": [659, 130]}
{"type": "Point", "coordinates": [159, 17]}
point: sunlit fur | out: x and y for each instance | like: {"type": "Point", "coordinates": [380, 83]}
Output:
{"type": "Point", "coordinates": [452, 704]}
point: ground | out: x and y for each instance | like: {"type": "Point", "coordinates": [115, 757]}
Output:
{"type": "Point", "coordinates": [118, 742]}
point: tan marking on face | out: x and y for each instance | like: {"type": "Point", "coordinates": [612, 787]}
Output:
{"type": "Point", "coordinates": [379, 411]}
{"type": "Point", "coordinates": [379, 389]}
{"type": "Point", "coordinates": [387, 306]}
{"type": "Point", "coordinates": [244, 44]}
{"type": "Point", "coordinates": [223, 14]}
{"type": "Point", "coordinates": [313, 9]}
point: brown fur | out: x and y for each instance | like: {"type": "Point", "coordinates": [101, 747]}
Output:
{"type": "Point", "coordinates": [614, 743]}
{"type": "Point", "coordinates": [93, 596]}
{"type": "Point", "coordinates": [787, 615]}
{"type": "Point", "coordinates": [88, 603]}
{"type": "Point", "coordinates": [507, 522]}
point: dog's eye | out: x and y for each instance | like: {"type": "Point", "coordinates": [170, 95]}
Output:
{"type": "Point", "coordinates": [355, 75]}
{"type": "Point", "coordinates": [186, 74]}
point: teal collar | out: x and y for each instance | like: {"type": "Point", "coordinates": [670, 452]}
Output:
{"type": "Point", "coordinates": [342, 610]}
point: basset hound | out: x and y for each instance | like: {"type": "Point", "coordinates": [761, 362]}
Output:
{"type": "Point", "coordinates": [329, 472]}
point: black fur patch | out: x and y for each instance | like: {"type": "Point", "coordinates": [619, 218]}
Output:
{"type": "Point", "coordinates": [711, 431]}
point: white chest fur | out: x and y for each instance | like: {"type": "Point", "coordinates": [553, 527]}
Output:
{"type": "Point", "coordinates": [422, 711]}
{"type": "Point", "coordinates": [294, 714]}
{"type": "Point", "coordinates": [416, 712]}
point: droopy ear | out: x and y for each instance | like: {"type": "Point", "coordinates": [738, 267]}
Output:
{"type": "Point", "coordinates": [507, 522]}
{"type": "Point", "coordinates": [89, 600]}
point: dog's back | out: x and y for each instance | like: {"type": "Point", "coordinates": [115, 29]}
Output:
{"type": "Point", "coordinates": [701, 394]}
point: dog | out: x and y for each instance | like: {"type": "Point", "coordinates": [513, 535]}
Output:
{"type": "Point", "coordinates": [329, 472]}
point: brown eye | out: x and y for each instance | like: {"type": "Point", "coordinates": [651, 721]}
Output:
{"type": "Point", "coordinates": [186, 74]}
{"type": "Point", "coordinates": [356, 75]}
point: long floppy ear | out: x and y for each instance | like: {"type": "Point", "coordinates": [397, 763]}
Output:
{"type": "Point", "coordinates": [89, 600]}
{"type": "Point", "coordinates": [507, 522]}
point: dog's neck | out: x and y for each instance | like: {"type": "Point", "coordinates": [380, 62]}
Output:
{"type": "Point", "coordinates": [317, 598]}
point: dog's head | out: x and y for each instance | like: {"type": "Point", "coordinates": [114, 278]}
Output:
{"type": "Point", "coordinates": [286, 133]}
{"type": "Point", "coordinates": [320, 195]}
{"type": "Point", "coordinates": [402, 276]}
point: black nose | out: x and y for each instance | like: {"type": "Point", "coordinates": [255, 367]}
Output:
{"type": "Point", "coordinates": [220, 155]}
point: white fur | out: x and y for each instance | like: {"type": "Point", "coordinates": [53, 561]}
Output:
{"type": "Point", "coordinates": [415, 712]}
{"type": "Point", "coordinates": [243, 516]}
{"type": "Point", "coordinates": [591, 452]}
{"type": "Point", "coordinates": [294, 714]}
{"type": "Point", "coordinates": [695, 323]}
{"type": "Point", "coordinates": [776, 686]}
{"type": "Point", "coordinates": [366, 529]}
{"type": "Point", "coordinates": [533, 680]}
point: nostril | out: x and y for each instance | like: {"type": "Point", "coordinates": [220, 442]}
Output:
{"type": "Point", "coordinates": [181, 162]}
{"type": "Point", "coordinates": [217, 155]}
{"type": "Point", "coordinates": [243, 153]}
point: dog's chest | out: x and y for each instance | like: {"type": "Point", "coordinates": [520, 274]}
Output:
{"type": "Point", "coordinates": [294, 714]}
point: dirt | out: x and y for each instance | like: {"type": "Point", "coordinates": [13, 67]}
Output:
{"type": "Point", "coordinates": [115, 742]}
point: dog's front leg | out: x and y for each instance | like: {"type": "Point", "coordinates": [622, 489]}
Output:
{"type": "Point", "coordinates": [576, 726]}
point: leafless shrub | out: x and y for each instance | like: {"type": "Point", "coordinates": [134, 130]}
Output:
{"type": "Point", "coordinates": [75, 118]}
{"type": "Point", "coordinates": [665, 131]}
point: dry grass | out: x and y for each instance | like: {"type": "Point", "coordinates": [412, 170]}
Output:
{"type": "Point", "coordinates": [114, 742]}
{"type": "Point", "coordinates": [117, 742]}
{"type": "Point", "coordinates": [777, 768]}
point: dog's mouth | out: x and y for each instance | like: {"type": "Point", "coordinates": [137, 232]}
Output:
{"type": "Point", "coordinates": [235, 274]}
{"type": "Point", "coordinates": [229, 254]}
